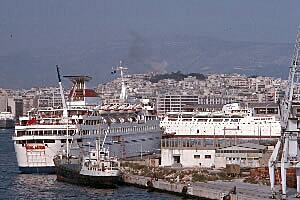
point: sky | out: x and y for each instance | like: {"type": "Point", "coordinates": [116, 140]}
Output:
{"type": "Point", "coordinates": [55, 30]}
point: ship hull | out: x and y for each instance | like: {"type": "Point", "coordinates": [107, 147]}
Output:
{"type": "Point", "coordinates": [71, 175]}
{"type": "Point", "coordinates": [41, 152]}
{"type": "Point", "coordinates": [247, 127]}
{"type": "Point", "coordinates": [37, 170]}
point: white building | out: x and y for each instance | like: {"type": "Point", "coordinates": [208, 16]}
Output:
{"type": "Point", "coordinates": [194, 152]}
{"type": "Point", "coordinates": [245, 155]}
{"type": "Point", "coordinates": [182, 152]}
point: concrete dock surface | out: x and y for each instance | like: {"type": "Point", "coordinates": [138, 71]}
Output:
{"type": "Point", "coordinates": [244, 190]}
{"type": "Point", "coordinates": [211, 189]}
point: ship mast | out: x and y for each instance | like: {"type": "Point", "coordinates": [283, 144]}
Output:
{"type": "Point", "coordinates": [65, 112]}
{"type": "Point", "coordinates": [123, 95]}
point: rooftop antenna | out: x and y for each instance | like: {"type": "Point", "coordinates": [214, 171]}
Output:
{"type": "Point", "coordinates": [123, 95]}
{"type": "Point", "coordinates": [65, 112]}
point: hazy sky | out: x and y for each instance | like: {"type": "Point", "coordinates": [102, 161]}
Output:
{"type": "Point", "coordinates": [35, 26]}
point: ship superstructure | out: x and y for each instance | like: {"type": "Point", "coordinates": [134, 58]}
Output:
{"type": "Point", "coordinates": [38, 137]}
{"type": "Point", "coordinates": [232, 122]}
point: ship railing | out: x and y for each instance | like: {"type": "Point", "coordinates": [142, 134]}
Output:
{"type": "Point", "coordinates": [45, 123]}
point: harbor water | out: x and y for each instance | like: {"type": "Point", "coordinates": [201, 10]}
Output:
{"type": "Point", "coordinates": [14, 185]}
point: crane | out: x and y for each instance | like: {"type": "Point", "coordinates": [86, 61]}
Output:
{"type": "Point", "coordinates": [286, 153]}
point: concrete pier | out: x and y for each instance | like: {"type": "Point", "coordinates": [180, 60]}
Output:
{"type": "Point", "coordinates": [208, 190]}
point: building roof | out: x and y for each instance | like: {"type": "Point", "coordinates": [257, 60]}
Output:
{"type": "Point", "coordinates": [263, 105]}
{"type": "Point", "coordinates": [251, 146]}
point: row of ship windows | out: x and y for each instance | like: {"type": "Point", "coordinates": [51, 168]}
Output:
{"type": "Point", "coordinates": [120, 130]}
{"type": "Point", "coordinates": [45, 132]}
{"type": "Point", "coordinates": [87, 132]}
{"type": "Point", "coordinates": [47, 141]}
{"type": "Point", "coordinates": [141, 140]}
{"type": "Point", "coordinates": [198, 130]}
{"type": "Point", "coordinates": [204, 120]}
{"type": "Point", "coordinates": [225, 123]}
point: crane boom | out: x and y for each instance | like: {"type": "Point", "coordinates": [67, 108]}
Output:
{"type": "Point", "coordinates": [287, 144]}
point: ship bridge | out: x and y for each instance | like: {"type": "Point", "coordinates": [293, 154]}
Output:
{"type": "Point", "coordinates": [79, 94]}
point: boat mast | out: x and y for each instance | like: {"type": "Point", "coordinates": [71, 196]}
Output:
{"type": "Point", "coordinates": [65, 112]}
{"type": "Point", "coordinates": [102, 146]}
{"type": "Point", "coordinates": [67, 139]}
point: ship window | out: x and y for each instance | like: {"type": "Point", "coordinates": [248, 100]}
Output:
{"type": "Point", "coordinates": [207, 156]}
{"type": "Point", "coordinates": [198, 131]}
{"type": "Point", "coordinates": [64, 140]}
{"type": "Point", "coordinates": [20, 133]}
{"type": "Point", "coordinates": [49, 141]}
{"type": "Point", "coordinates": [196, 156]}
{"type": "Point", "coordinates": [133, 140]}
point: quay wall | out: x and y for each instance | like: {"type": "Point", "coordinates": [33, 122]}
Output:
{"type": "Point", "coordinates": [192, 190]}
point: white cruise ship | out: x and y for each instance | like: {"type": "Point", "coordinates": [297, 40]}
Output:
{"type": "Point", "coordinates": [232, 122]}
{"type": "Point", "coordinates": [133, 129]}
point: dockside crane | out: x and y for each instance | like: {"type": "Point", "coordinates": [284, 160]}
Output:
{"type": "Point", "coordinates": [286, 153]}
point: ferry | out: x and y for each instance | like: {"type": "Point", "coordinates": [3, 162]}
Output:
{"type": "Point", "coordinates": [232, 122]}
{"type": "Point", "coordinates": [39, 136]}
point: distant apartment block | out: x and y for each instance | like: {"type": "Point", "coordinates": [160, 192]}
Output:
{"type": "Point", "coordinates": [50, 98]}
{"type": "Point", "coordinates": [177, 103]}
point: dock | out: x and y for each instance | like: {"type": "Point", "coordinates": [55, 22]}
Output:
{"type": "Point", "coordinates": [236, 190]}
